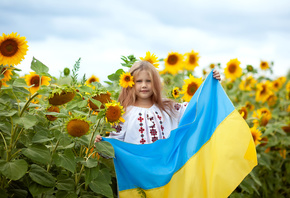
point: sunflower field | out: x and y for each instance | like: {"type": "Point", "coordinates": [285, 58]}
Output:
{"type": "Point", "coordinates": [48, 124]}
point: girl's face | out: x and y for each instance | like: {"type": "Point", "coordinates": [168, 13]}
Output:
{"type": "Point", "coordinates": [143, 86]}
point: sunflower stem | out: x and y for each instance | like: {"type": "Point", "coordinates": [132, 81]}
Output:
{"type": "Point", "coordinates": [49, 165]}
{"type": "Point", "coordinates": [78, 176]}
{"type": "Point", "coordinates": [4, 141]}
{"type": "Point", "coordinates": [27, 103]}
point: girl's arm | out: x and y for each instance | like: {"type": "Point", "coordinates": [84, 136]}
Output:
{"type": "Point", "coordinates": [216, 74]}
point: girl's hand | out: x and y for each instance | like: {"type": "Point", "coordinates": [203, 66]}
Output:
{"type": "Point", "coordinates": [216, 74]}
{"type": "Point", "coordinates": [98, 138]}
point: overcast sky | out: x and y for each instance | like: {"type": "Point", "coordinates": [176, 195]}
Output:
{"type": "Point", "coordinates": [100, 32]}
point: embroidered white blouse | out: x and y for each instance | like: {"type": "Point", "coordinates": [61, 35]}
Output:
{"type": "Point", "coordinates": [146, 125]}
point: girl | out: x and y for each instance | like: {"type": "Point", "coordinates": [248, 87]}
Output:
{"type": "Point", "coordinates": [148, 117]}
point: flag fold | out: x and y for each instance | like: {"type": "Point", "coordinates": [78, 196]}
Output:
{"type": "Point", "coordinates": [208, 155]}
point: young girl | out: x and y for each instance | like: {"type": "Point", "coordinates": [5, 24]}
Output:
{"type": "Point", "coordinates": [148, 116]}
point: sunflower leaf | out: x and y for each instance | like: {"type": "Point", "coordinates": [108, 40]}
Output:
{"type": "Point", "coordinates": [38, 66]}
{"type": "Point", "coordinates": [13, 170]}
{"type": "Point", "coordinates": [105, 149]}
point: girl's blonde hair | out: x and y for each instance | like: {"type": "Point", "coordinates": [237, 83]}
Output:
{"type": "Point", "coordinates": [127, 96]}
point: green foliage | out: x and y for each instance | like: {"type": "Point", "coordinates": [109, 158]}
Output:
{"type": "Point", "coordinates": [38, 158]}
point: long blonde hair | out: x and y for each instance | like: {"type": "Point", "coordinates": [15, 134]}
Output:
{"type": "Point", "coordinates": [127, 96]}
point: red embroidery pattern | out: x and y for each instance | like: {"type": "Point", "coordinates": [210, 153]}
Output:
{"type": "Point", "coordinates": [177, 106]}
{"type": "Point", "coordinates": [118, 128]}
{"type": "Point", "coordinates": [141, 129]}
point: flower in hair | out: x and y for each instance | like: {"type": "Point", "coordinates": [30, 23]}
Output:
{"type": "Point", "coordinates": [151, 58]}
{"type": "Point", "coordinates": [126, 80]}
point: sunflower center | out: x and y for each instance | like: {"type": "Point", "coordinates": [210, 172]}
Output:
{"type": "Point", "coordinates": [232, 68]}
{"type": "Point", "coordinates": [113, 113]}
{"type": "Point", "coordinates": [192, 59]}
{"type": "Point", "coordinates": [9, 47]}
{"type": "Point", "coordinates": [263, 64]}
{"type": "Point", "coordinates": [191, 89]}
{"type": "Point", "coordinates": [254, 137]}
{"type": "Point", "coordinates": [176, 92]}
{"type": "Point", "coordinates": [127, 78]}
{"type": "Point", "coordinates": [35, 81]}
{"type": "Point", "coordinates": [92, 80]}
{"type": "Point", "coordinates": [264, 89]}
{"type": "Point", "coordinates": [172, 59]}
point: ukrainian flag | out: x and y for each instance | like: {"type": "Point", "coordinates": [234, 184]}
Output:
{"type": "Point", "coordinates": [208, 155]}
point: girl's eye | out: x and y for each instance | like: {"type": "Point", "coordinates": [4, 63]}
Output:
{"type": "Point", "coordinates": [148, 80]}
{"type": "Point", "coordinates": [138, 81]}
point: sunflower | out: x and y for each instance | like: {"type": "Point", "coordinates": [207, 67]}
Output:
{"type": "Point", "coordinates": [250, 68]}
{"type": "Point", "coordinates": [175, 92]}
{"type": "Point", "coordinates": [7, 75]}
{"type": "Point", "coordinates": [286, 128]}
{"type": "Point", "coordinates": [264, 115]}
{"type": "Point", "coordinates": [264, 65]}
{"type": "Point", "coordinates": [52, 109]}
{"type": "Point", "coordinates": [126, 80]}
{"type": "Point", "coordinates": [283, 153]}
{"type": "Point", "coordinates": [190, 87]}
{"type": "Point", "coordinates": [114, 112]}
{"type": "Point", "coordinates": [272, 99]}
{"type": "Point", "coordinates": [233, 69]}
{"type": "Point", "coordinates": [263, 91]}
{"type": "Point", "coordinates": [93, 153]}
{"type": "Point", "coordinates": [244, 112]}
{"type": "Point", "coordinates": [13, 48]}
{"type": "Point", "coordinates": [103, 98]}
{"type": "Point", "coordinates": [173, 62]}
{"type": "Point", "coordinates": [277, 84]}
{"type": "Point", "coordinates": [264, 141]}
{"type": "Point", "coordinates": [229, 85]}
{"type": "Point", "coordinates": [256, 134]}
{"type": "Point", "coordinates": [61, 96]}
{"type": "Point", "coordinates": [249, 106]}
{"type": "Point", "coordinates": [151, 58]}
{"type": "Point", "coordinates": [248, 84]}
{"type": "Point", "coordinates": [34, 80]}
{"type": "Point", "coordinates": [191, 60]}
{"type": "Point", "coordinates": [77, 127]}
{"type": "Point", "coordinates": [288, 90]}
{"type": "Point", "coordinates": [212, 66]}
{"type": "Point", "coordinates": [92, 79]}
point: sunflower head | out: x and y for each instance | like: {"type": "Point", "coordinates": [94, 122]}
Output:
{"type": "Point", "coordinates": [248, 84]}
{"type": "Point", "coordinates": [175, 92]}
{"type": "Point", "coordinates": [103, 98]}
{"type": "Point", "coordinates": [126, 80]}
{"type": "Point", "coordinates": [249, 106]}
{"type": "Point", "coordinates": [264, 65]}
{"type": "Point", "coordinates": [244, 112]}
{"type": "Point", "coordinates": [34, 81]}
{"type": "Point", "coordinates": [151, 58]}
{"type": "Point", "coordinates": [7, 75]}
{"type": "Point", "coordinates": [92, 79]}
{"type": "Point", "coordinates": [13, 48]}
{"type": "Point", "coordinates": [263, 91]}
{"type": "Point", "coordinates": [233, 69]}
{"type": "Point", "coordinates": [114, 112]}
{"type": "Point", "coordinates": [250, 68]}
{"type": "Point", "coordinates": [264, 141]}
{"type": "Point", "coordinates": [52, 109]}
{"type": "Point", "coordinates": [190, 86]}
{"type": "Point", "coordinates": [92, 153]}
{"type": "Point", "coordinates": [256, 134]}
{"type": "Point", "coordinates": [173, 62]}
{"type": "Point", "coordinates": [264, 115]}
{"type": "Point", "coordinates": [191, 60]}
{"type": "Point", "coordinates": [77, 127]}
{"type": "Point", "coordinates": [61, 96]}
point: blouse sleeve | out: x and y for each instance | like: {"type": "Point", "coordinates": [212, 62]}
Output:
{"type": "Point", "coordinates": [180, 109]}
{"type": "Point", "coordinates": [119, 134]}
